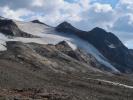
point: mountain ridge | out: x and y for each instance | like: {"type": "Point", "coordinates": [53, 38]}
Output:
{"type": "Point", "coordinates": [8, 27]}
{"type": "Point", "coordinates": [107, 43]}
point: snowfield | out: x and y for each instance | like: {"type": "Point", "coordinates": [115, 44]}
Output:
{"type": "Point", "coordinates": [34, 28]}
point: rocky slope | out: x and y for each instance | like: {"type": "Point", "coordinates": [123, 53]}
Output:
{"type": "Point", "coordinates": [131, 51]}
{"type": "Point", "coordinates": [8, 27]}
{"type": "Point", "coordinates": [33, 58]}
{"type": "Point", "coordinates": [35, 71]}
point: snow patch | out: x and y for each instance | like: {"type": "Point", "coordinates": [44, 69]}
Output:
{"type": "Point", "coordinates": [72, 45]}
{"type": "Point", "coordinates": [113, 83]}
{"type": "Point", "coordinates": [34, 28]}
{"type": "Point", "coordinates": [3, 40]}
{"type": "Point", "coordinates": [111, 46]}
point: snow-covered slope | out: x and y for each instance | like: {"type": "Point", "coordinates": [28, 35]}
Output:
{"type": "Point", "coordinates": [34, 28]}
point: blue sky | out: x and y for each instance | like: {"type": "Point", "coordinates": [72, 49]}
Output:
{"type": "Point", "coordinates": [113, 15]}
{"type": "Point", "coordinates": [112, 2]}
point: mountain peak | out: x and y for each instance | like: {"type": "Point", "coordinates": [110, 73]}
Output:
{"type": "Point", "coordinates": [65, 24]}
{"type": "Point", "coordinates": [39, 22]}
{"type": "Point", "coordinates": [97, 29]}
{"type": "Point", "coordinates": [63, 43]}
{"type": "Point", "coordinates": [10, 28]}
{"type": "Point", "coordinates": [36, 21]}
{"type": "Point", "coordinates": [65, 27]}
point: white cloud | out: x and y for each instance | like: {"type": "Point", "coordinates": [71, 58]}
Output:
{"type": "Point", "coordinates": [84, 4]}
{"type": "Point", "coordinates": [98, 15]}
{"type": "Point", "coordinates": [14, 14]}
{"type": "Point", "coordinates": [37, 3]}
{"type": "Point", "coordinates": [59, 11]}
{"type": "Point", "coordinates": [102, 7]}
{"type": "Point", "coordinates": [129, 2]}
{"type": "Point", "coordinates": [124, 23]}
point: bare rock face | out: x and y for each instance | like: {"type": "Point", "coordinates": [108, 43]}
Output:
{"type": "Point", "coordinates": [78, 54]}
{"type": "Point", "coordinates": [8, 27]}
{"type": "Point", "coordinates": [67, 27]}
{"type": "Point", "coordinates": [107, 43]}
{"type": "Point", "coordinates": [45, 58]}
{"type": "Point", "coordinates": [111, 47]}
{"type": "Point", "coordinates": [39, 22]}
{"type": "Point", "coordinates": [131, 51]}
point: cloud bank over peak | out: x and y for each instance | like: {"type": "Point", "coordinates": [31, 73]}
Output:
{"type": "Point", "coordinates": [113, 15]}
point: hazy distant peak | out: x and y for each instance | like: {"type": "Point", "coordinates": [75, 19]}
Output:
{"type": "Point", "coordinates": [38, 21]}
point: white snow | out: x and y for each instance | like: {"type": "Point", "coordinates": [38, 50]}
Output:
{"type": "Point", "coordinates": [111, 46]}
{"type": "Point", "coordinates": [34, 28]}
{"type": "Point", "coordinates": [72, 45]}
{"type": "Point", "coordinates": [3, 40]}
{"type": "Point", "coordinates": [113, 83]}
{"type": "Point", "coordinates": [2, 47]}
{"type": "Point", "coordinates": [90, 49]}
{"type": "Point", "coordinates": [47, 39]}
{"type": "Point", "coordinates": [48, 34]}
